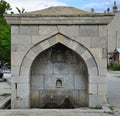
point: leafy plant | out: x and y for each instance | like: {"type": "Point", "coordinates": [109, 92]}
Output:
{"type": "Point", "coordinates": [5, 94]}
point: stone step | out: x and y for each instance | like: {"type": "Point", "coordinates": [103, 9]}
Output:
{"type": "Point", "coordinates": [52, 112]}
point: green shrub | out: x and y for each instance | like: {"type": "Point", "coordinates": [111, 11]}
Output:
{"type": "Point", "coordinates": [116, 67]}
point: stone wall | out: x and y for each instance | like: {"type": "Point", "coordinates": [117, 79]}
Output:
{"type": "Point", "coordinates": [114, 33]}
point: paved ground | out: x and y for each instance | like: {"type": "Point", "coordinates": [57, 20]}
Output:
{"type": "Point", "coordinates": [113, 82]}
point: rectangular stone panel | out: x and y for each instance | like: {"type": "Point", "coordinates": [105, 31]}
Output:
{"type": "Point", "coordinates": [102, 89]}
{"type": "Point", "coordinates": [37, 82]}
{"type": "Point", "coordinates": [72, 30]}
{"type": "Point", "coordinates": [15, 70]}
{"type": "Point", "coordinates": [93, 89]}
{"type": "Point", "coordinates": [35, 99]}
{"type": "Point", "coordinates": [98, 42]}
{"type": "Point", "coordinates": [47, 30]}
{"type": "Point", "coordinates": [69, 82]}
{"type": "Point", "coordinates": [21, 39]}
{"type": "Point", "coordinates": [60, 68]}
{"type": "Point", "coordinates": [42, 69]}
{"type": "Point", "coordinates": [43, 98]}
{"type": "Point", "coordinates": [84, 41]}
{"type": "Point", "coordinates": [29, 30]}
{"type": "Point", "coordinates": [97, 79]}
{"type": "Point", "coordinates": [14, 29]}
{"type": "Point", "coordinates": [83, 98]}
{"type": "Point", "coordinates": [23, 95]}
{"type": "Point", "coordinates": [74, 68]}
{"type": "Point", "coordinates": [103, 31]}
{"type": "Point", "coordinates": [95, 100]}
{"type": "Point", "coordinates": [91, 63]}
{"type": "Point", "coordinates": [20, 79]}
{"type": "Point", "coordinates": [88, 31]}
{"type": "Point", "coordinates": [17, 58]}
{"type": "Point", "coordinates": [49, 82]}
{"type": "Point", "coordinates": [80, 82]}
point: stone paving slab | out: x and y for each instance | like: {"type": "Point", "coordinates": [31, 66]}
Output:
{"type": "Point", "coordinates": [53, 112]}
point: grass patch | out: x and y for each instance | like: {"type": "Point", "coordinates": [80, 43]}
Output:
{"type": "Point", "coordinates": [118, 76]}
{"type": "Point", "coordinates": [5, 94]}
{"type": "Point", "coordinates": [96, 107]}
{"type": "Point", "coordinates": [111, 107]}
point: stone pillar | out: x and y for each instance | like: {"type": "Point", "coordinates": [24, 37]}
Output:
{"type": "Point", "coordinates": [20, 92]}
{"type": "Point", "coordinates": [97, 91]}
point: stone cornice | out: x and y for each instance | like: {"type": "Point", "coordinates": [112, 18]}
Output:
{"type": "Point", "coordinates": [34, 19]}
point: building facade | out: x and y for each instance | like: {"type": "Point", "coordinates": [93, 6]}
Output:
{"type": "Point", "coordinates": [59, 53]}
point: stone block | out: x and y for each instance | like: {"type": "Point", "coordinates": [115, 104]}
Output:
{"type": "Point", "coordinates": [95, 100]}
{"type": "Point", "coordinates": [45, 44]}
{"type": "Point", "coordinates": [21, 39]}
{"type": "Point", "coordinates": [74, 69]}
{"type": "Point", "coordinates": [80, 82]}
{"type": "Point", "coordinates": [90, 63]}
{"type": "Point", "coordinates": [104, 53]}
{"type": "Point", "coordinates": [85, 41]}
{"type": "Point", "coordinates": [65, 41]}
{"type": "Point", "coordinates": [47, 30]}
{"type": "Point", "coordinates": [88, 31]}
{"type": "Point", "coordinates": [68, 82]}
{"type": "Point", "coordinates": [35, 99]}
{"type": "Point", "coordinates": [83, 98]}
{"type": "Point", "coordinates": [97, 79]}
{"type": "Point", "coordinates": [102, 71]}
{"type": "Point", "coordinates": [72, 30]}
{"type": "Point", "coordinates": [86, 55]}
{"type": "Point", "coordinates": [43, 98]}
{"type": "Point", "coordinates": [52, 41]}
{"type": "Point", "coordinates": [42, 69]}
{"type": "Point", "coordinates": [61, 28]}
{"type": "Point", "coordinates": [15, 70]}
{"type": "Point", "coordinates": [93, 71]}
{"type": "Point", "coordinates": [60, 68]}
{"type": "Point", "coordinates": [24, 71]}
{"type": "Point", "coordinates": [20, 79]}
{"type": "Point", "coordinates": [37, 49]}
{"type": "Point", "coordinates": [37, 82]}
{"type": "Point", "coordinates": [31, 55]}
{"type": "Point", "coordinates": [36, 39]}
{"type": "Point", "coordinates": [22, 96]}
{"type": "Point", "coordinates": [103, 31]}
{"type": "Point", "coordinates": [20, 48]}
{"type": "Point", "coordinates": [98, 42]}
{"type": "Point", "coordinates": [103, 63]}
{"type": "Point", "coordinates": [14, 48]}
{"type": "Point", "coordinates": [72, 45]}
{"type": "Point", "coordinates": [14, 30]}
{"type": "Point", "coordinates": [93, 88]}
{"type": "Point", "coordinates": [16, 58]}
{"type": "Point", "coordinates": [27, 62]}
{"type": "Point", "coordinates": [80, 49]}
{"type": "Point", "coordinates": [29, 30]}
{"type": "Point", "coordinates": [49, 82]}
{"type": "Point", "coordinates": [97, 52]}
{"type": "Point", "coordinates": [102, 89]}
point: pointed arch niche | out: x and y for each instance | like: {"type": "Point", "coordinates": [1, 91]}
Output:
{"type": "Point", "coordinates": [58, 58]}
